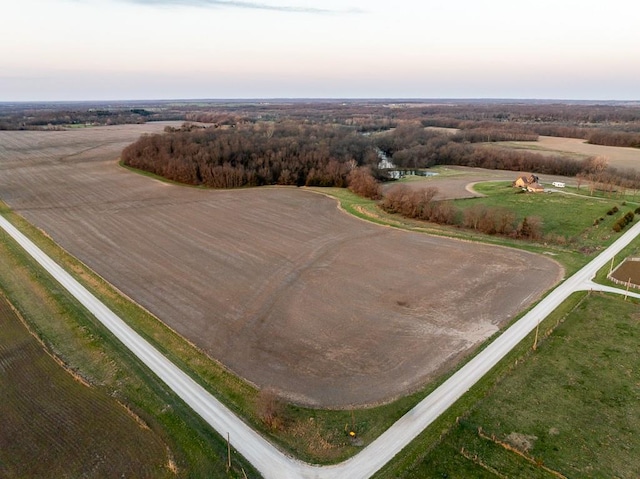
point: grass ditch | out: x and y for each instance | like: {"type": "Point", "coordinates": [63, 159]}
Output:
{"type": "Point", "coordinates": [569, 409]}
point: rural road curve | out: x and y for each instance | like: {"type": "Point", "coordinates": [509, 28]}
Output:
{"type": "Point", "coordinates": [265, 457]}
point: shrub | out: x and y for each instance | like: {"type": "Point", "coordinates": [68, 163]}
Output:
{"type": "Point", "coordinates": [270, 409]}
{"type": "Point", "coordinates": [362, 183]}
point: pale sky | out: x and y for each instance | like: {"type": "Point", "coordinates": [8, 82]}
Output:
{"type": "Point", "coordinates": [180, 49]}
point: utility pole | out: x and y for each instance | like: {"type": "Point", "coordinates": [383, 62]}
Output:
{"type": "Point", "coordinates": [611, 267]}
{"type": "Point", "coordinates": [228, 453]}
{"type": "Point", "coordinates": [626, 294]}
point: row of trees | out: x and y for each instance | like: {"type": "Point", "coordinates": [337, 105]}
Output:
{"type": "Point", "coordinates": [421, 204]}
{"type": "Point", "coordinates": [411, 146]}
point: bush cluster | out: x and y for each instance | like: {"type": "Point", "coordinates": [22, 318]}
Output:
{"type": "Point", "coordinates": [421, 204]}
{"type": "Point", "coordinates": [623, 222]}
{"type": "Point", "coordinates": [612, 211]}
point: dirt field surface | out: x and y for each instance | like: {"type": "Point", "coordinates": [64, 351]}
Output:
{"type": "Point", "coordinates": [628, 271]}
{"type": "Point", "coordinates": [54, 426]}
{"type": "Point", "coordinates": [275, 283]}
{"type": "Point", "coordinates": [578, 148]}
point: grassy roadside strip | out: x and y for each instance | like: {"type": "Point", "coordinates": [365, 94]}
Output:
{"type": "Point", "coordinates": [75, 337]}
{"type": "Point", "coordinates": [433, 436]}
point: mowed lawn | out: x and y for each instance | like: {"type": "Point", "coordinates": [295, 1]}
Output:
{"type": "Point", "coordinates": [572, 217]}
{"type": "Point", "coordinates": [52, 425]}
{"type": "Point", "coordinates": [570, 409]}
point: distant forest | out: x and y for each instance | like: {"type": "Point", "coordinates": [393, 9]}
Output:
{"type": "Point", "coordinates": [61, 116]}
{"type": "Point", "coordinates": [606, 123]}
{"type": "Point", "coordinates": [320, 144]}
{"type": "Point", "coordinates": [226, 144]}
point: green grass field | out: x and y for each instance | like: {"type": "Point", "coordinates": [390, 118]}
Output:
{"type": "Point", "coordinates": [569, 409]}
{"type": "Point", "coordinates": [570, 218]}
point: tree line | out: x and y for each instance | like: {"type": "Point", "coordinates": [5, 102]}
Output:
{"type": "Point", "coordinates": [254, 154]}
{"type": "Point", "coordinates": [421, 204]}
{"type": "Point", "coordinates": [411, 146]}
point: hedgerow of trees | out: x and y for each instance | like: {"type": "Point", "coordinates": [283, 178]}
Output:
{"type": "Point", "coordinates": [412, 146]}
{"type": "Point", "coordinates": [421, 204]}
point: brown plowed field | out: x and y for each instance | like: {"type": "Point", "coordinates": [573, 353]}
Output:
{"type": "Point", "coordinates": [617, 156]}
{"type": "Point", "coordinates": [629, 271]}
{"type": "Point", "coordinates": [276, 283]}
{"type": "Point", "coordinates": [54, 426]}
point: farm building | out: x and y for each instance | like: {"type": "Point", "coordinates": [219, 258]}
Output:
{"type": "Point", "coordinates": [529, 183]}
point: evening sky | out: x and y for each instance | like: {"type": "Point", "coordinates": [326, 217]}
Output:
{"type": "Point", "coordinates": [168, 49]}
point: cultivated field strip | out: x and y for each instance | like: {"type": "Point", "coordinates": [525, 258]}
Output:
{"type": "Point", "coordinates": [275, 283]}
{"type": "Point", "coordinates": [54, 426]}
{"type": "Point", "coordinates": [616, 156]}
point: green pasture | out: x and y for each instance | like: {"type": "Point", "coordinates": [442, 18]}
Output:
{"type": "Point", "coordinates": [569, 409]}
{"type": "Point", "coordinates": [581, 221]}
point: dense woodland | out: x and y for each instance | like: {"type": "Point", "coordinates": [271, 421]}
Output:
{"type": "Point", "coordinates": [254, 154]}
{"type": "Point", "coordinates": [321, 150]}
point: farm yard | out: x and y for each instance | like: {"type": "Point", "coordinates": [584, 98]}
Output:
{"type": "Point", "coordinates": [276, 283]}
